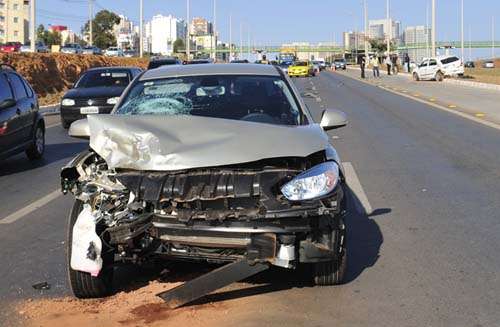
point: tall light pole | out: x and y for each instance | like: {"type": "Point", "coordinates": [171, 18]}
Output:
{"type": "Point", "coordinates": [241, 40]}
{"type": "Point", "coordinates": [141, 28]}
{"type": "Point", "coordinates": [230, 36]}
{"type": "Point", "coordinates": [433, 32]}
{"type": "Point", "coordinates": [91, 18]}
{"type": "Point", "coordinates": [389, 32]}
{"type": "Point", "coordinates": [462, 30]}
{"type": "Point", "coordinates": [427, 54]}
{"type": "Point", "coordinates": [366, 29]}
{"type": "Point", "coordinates": [493, 37]}
{"type": "Point", "coordinates": [32, 26]}
{"type": "Point", "coordinates": [470, 43]}
{"type": "Point", "coordinates": [188, 34]}
{"type": "Point", "coordinates": [214, 31]}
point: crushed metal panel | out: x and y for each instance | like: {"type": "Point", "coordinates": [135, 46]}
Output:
{"type": "Point", "coordinates": [167, 143]}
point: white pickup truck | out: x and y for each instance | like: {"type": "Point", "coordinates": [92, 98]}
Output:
{"type": "Point", "coordinates": [437, 68]}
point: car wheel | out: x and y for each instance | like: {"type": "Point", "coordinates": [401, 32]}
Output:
{"type": "Point", "coordinates": [37, 147]}
{"type": "Point", "coordinates": [65, 124]}
{"type": "Point", "coordinates": [82, 284]}
{"type": "Point", "coordinates": [333, 272]}
{"type": "Point", "coordinates": [416, 78]}
{"type": "Point", "coordinates": [439, 77]}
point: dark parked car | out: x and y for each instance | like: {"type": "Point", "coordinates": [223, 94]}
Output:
{"type": "Point", "coordinates": [159, 62]}
{"type": "Point", "coordinates": [22, 127]}
{"type": "Point", "coordinates": [469, 64]}
{"type": "Point", "coordinates": [96, 92]}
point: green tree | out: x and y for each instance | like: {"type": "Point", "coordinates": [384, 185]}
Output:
{"type": "Point", "coordinates": [179, 45]}
{"type": "Point", "coordinates": [102, 29]}
{"type": "Point", "coordinates": [48, 37]}
{"type": "Point", "coordinates": [380, 46]}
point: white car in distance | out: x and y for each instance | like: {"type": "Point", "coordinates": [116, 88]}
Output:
{"type": "Point", "coordinates": [437, 68]}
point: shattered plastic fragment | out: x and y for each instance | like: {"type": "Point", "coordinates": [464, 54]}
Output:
{"type": "Point", "coordinates": [86, 246]}
{"type": "Point", "coordinates": [41, 286]}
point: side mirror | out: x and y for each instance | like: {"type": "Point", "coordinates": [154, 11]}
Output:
{"type": "Point", "coordinates": [80, 129]}
{"type": "Point", "coordinates": [7, 103]}
{"type": "Point", "coordinates": [332, 119]}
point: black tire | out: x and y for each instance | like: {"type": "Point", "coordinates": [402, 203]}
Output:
{"type": "Point", "coordinates": [333, 272]}
{"type": "Point", "coordinates": [37, 147]}
{"type": "Point", "coordinates": [439, 77]}
{"type": "Point", "coordinates": [416, 78]}
{"type": "Point", "coordinates": [65, 124]}
{"type": "Point", "coordinates": [82, 284]}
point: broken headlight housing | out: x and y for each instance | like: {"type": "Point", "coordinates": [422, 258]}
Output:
{"type": "Point", "coordinates": [313, 183]}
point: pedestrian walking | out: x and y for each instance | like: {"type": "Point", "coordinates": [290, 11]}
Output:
{"type": "Point", "coordinates": [388, 63]}
{"type": "Point", "coordinates": [362, 64]}
{"type": "Point", "coordinates": [395, 67]}
{"type": "Point", "coordinates": [375, 67]}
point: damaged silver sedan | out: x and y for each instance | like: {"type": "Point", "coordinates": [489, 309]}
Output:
{"type": "Point", "coordinates": [213, 163]}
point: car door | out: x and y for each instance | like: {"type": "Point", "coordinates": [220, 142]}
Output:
{"type": "Point", "coordinates": [10, 120]}
{"type": "Point", "coordinates": [423, 69]}
{"type": "Point", "coordinates": [24, 106]}
{"type": "Point", "coordinates": [433, 68]}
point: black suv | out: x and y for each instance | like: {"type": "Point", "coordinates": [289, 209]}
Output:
{"type": "Point", "coordinates": [96, 92]}
{"type": "Point", "coordinates": [22, 127]}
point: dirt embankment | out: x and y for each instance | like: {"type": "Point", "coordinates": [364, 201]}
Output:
{"type": "Point", "coordinates": [53, 73]}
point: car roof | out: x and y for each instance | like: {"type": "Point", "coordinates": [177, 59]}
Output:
{"type": "Point", "coordinates": [110, 68]}
{"type": "Point", "coordinates": [209, 69]}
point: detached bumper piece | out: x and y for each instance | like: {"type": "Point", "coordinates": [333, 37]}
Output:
{"type": "Point", "coordinates": [205, 284]}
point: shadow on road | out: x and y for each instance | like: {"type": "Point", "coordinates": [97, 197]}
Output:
{"type": "Point", "coordinates": [53, 153]}
{"type": "Point", "coordinates": [364, 237]}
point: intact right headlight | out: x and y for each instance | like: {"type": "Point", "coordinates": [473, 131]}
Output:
{"type": "Point", "coordinates": [313, 183]}
{"type": "Point", "coordinates": [68, 102]}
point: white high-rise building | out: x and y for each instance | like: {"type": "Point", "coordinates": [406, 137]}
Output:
{"type": "Point", "coordinates": [164, 31]}
{"type": "Point", "coordinates": [417, 39]}
{"type": "Point", "coordinates": [379, 28]}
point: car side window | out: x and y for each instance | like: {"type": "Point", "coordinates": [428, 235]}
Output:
{"type": "Point", "coordinates": [424, 63]}
{"type": "Point", "coordinates": [432, 62]}
{"type": "Point", "coordinates": [28, 88]}
{"type": "Point", "coordinates": [18, 87]}
{"type": "Point", "coordinates": [5, 92]}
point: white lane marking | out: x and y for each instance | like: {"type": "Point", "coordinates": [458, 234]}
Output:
{"type": "Point", "coordinates": [30, 208]}
{"type": "Point", "coordinates": [362, 205]}
{"type": "Point", "coordinates": [53, 125]}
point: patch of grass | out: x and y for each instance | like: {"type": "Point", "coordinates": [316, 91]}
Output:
{"type": "Point", "coordinates": [484, 75]}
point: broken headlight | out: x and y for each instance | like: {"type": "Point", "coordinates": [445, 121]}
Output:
{"type": "Point", "coordinates": [313, 183]}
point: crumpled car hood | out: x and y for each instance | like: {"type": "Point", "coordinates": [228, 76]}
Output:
{"type": "Point", "coordinates": [166, 143]}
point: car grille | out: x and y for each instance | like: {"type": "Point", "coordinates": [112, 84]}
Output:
{"type": "Point", "coordinates": [84, 102]}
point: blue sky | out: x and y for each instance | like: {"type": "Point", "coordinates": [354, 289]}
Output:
{"type": "Point", "coordinates": [276, 21]}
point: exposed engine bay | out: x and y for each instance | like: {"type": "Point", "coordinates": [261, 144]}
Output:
{"type": "Point", "coordinates": [215, 214]}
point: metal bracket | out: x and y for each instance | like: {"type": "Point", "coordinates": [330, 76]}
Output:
{"type": "Point", "coordinates": [205, 284]}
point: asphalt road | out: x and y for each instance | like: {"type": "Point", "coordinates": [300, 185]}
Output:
{"type": "Point", "coordinates": [423, 232]}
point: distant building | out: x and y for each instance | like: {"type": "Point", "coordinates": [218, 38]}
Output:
{"type": "Point", "coordinates": [204, 43]}
{"type": "Point", "coordinates": [417, 38]}
{"type": "Point", "coordinates": [379, 29]}
{"type": "Point", "coordinates": [354, 41]}
{"type": "Point", "coordinates": [200, 26]}
{"type": "Point", "coordinates": [67, 35]}
{"type": "Point", "coordinates": [165, 30]}
{"type": "Point", "coordinates": [125, 34]}
{"type": "Point", "coordinates": [14, 21]}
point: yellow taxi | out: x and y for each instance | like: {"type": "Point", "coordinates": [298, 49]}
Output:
{"type": "Point", "coordinates": [302, 68]}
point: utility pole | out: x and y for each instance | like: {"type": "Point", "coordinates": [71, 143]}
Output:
{"type": "Point", "coordinates": [433, 32]}
{"type": "Point", "coordinates": [214, 31]}
{"type": "Point", "coordinates": [32, 26]}
{"type": "Point", "coordinates": [248, 44]}
{"type": "Point", "coordinates": [91, 18]}
{"type": "Point", "coordinates": [427, 54]}
{"type": "Point", "coordinates": [188, 34]}
{"type": "Point", "coordinates": [389, 34]}
{"type": "Point", "coordinates": [493, 37]}
{"type": "Point", "coordinates": [462, 31]}
{"type": "Point", "coordinates": [241, 41]}
{"type": "Point", "coordinates": [141, 28]}
{"type": "Point", "coordinates": [230, 36]}
{"type": "Point", "coordinates": [470, 43]}
{"type": "Point", "coordinates": [366, 29]}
